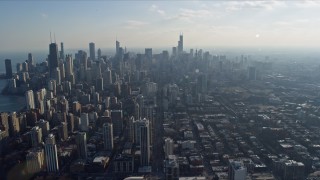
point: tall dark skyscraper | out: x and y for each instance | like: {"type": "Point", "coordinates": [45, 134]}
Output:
{"type": "Point", "coordinates": [180, 44]}
{"type": "Point", "coordinates": [92, 51]}
{"type": "Point", "coordinates": [117, 47]}
{"type": "Point", "coordinates": [8, 68]}
{"type": "Point", "coordinates": [62, 52]}
{"type": "Point", "coordinates": [53, 58]}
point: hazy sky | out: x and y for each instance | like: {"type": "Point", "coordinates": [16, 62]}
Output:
{"type": "Point", "coordinates": [26, 25]}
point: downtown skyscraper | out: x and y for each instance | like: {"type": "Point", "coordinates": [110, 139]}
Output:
{"type": "Point", "coordinates": [92, 50]}
{"type": "Point", "coordinates": [51, 154]}
{"type": "Point", "coordinates": [53, 58]}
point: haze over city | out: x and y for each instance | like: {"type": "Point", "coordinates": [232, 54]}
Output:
{"type": "Point", "coordinates": [25, 25]}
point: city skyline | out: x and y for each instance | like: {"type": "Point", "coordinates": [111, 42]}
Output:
{"type": "Point", "coordinates": [27, 25]}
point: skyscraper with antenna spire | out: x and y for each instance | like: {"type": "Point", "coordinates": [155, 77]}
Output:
{"type": "Point", "coordinates": [53, 57]}
{"type": "Point", "coordinates": [180, 44]}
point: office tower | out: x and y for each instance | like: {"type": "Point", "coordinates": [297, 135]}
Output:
{"type": "Point", "coordinates": [8, 68]}
{"type": "Point", "coordinates": [30, 59]}
{"type": "Point", "coordinates": [36, 136]}
{"type": "Point", "coordinates": [56, 76]}
{"type": "Point", "coordinates": [70, 121]}
{"type": "Point", "coordinates": [63, 131]}
{"type": "Point", "coordinates": [117, 47]}
{"type": "Point", "coordinates": [237, 170]}
{"type": "Point", "coordinates": [99, 84]}
{"type": "Point", "coordinates": [25, 67]}
{"type": "Point", "coordinates": [108, 136]}
{"type": "Point", "coordinates": [107, 77]}
{"type": "Point", "coordinates": [252, 73]}
{"type": "Point", "coordinates": [51, 154]}
{"type": "Point", "coordinates": [14, 126]}
{"type": "Point", "coordinates": [117, 121]}
{"type": "Point", "coordinates": [145, 144]}
{"type": "Point", "coordinates": [171, 168]}
{"type": "Point", "coordinates": [168, 147]}
{"type": "Point", "coordinates": [180, 44]}
{"type": "Point", "coordinates": [30, 100]}
{"type": "Point", "coordinates": [4, 123]}
{"type": "Point", "coordinates": [148, 53]}
{"type": "Point", "coordinates": [82, 57]}
{"type": "Point", "coordinates": [130, 133]}
{"type": "Point", "coordinates": [96, 98]}
{"type": "Point", "coordinates": [69, 67]}
{"type": "Point", "coordinates": [62, 51]}
{"type": "Point", "coordinates": [35, 161]}
{"type": "Point", "coordinates": [53, 58]}
{"type": "Point", "coordinates": [76, 108]}
{"type": "Point", "coordinates": [202, 83]}
{"type": "Point", "coordinates": [52, 86]}
{"type": "Point", "coordinates": [84, 126]}
{"type": "Point", "coordinates": [174, 51]}
{"type": "Point", "coordinates": [92, 51]}
{"type": "Point", "coordinates": [19, 67]}
{"type": "Point", "coordinates": [99, 54]}
{"type": "Point", "coordinates": [81, 140]}
{"type": "Point", "coordinates": [45, 127]}
{"type": "Point", "coordinates": [137, 124]}
{"type": "Point", "coordinates": [62, 70]}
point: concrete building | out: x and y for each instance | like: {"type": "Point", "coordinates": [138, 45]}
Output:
{"type": "Point", "coordinates": [51, 154]}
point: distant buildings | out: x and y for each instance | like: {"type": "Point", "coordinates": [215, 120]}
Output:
{"type": "Point", "coordinates": [92, 51]}
{"type": "Point", "coordinates": [8, 68]}
{"type": "Point", "coordinates": [35, 161]}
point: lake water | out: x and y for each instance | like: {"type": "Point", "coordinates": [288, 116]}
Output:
{"type": "Point", "coordinates": [9, 103]}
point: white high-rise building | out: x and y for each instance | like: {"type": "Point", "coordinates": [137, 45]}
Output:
{"type": "Point", "coordinates": [168, 146]}
{"type": "Point", "coordinates": [57, 75]}
{"type": "Point", "coordinates": [84, 126]}
{"type": "Point", "coordinates": [108, 136]}
{"type": "Point", "coordinates": [30, 100]}
{"type": "Point", "coordinates": [81, 140]}
{"type": "Point", "coordinates": [51, 154]}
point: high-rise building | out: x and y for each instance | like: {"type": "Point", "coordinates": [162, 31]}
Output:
{"type": "Point", "coordinates": [99, 84]}
{"type": "Point", "coordinates": [92, 51]}
{"type": "Point", "coordinates": [168, 147]}
{"type": "Point", "coordinates": [51, 154]}
{"type": "Point", "coordinates": [148, 53]}
{"type": "Point", "coordinates": [180, 44]}
{"type": "Point", "coordinates": [4, 123]}
{"type": "Point", "coordinates": [81, 141]}
{"type": "Point", "coordinates": [84, 126]}
{"type": "Point", "coordinates": [30, 100]}
{"type": "Point", "coordinates": [35, 161]}
{"type": "Point", "coordinates": [145, 144]}
{"type": "Point", "coordinates": [108, 136]}
{"type": "Point", "coordinates": [171, 168]}
{"type": "Point", "coordinates": [53, 58]}
{"type": "Point", "coordinates": [99, 54]}
{"type": "Point", "coordinates": [82, 57]}
{"type": "Point", "coordinates": [57, 75]}
{"type": "Point", "coordinates": [117, 121]}
{"type": "Point", "coordinates": [107, 77]}
{"type": "Point", "coordinates": [8, 68]}
{"type": "Point", "coordinates": [14, 126]}
{"type": "Point", "coordinates": [36, 136]}
{"type": "Point", "coordinates": [63, 131]}
{"type": "Point", "coordinates": [117, 47]}
{"type": "Point", "coordinates": [69, 67]}
{"type": "Point", "coordinates": [30, 59]}
{"type": "Point", "coordinates": [45, 127]}
{"type": "Point", "coordinates": [237, 170]}
{"type": "Point", "coordinates": [62, 51]}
